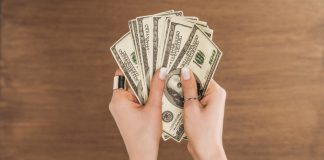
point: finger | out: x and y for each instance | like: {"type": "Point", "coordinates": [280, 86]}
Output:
{"type": "Point", "coordinates": [189, 88]}
{"type": "Point", "coordinates": [156, 90]}
{"type": "Point", "coordinates": [214, 99]}
{"type": "Point", "coordinates": [210, 90]}
{"type": "Point", "coordinates": [121, 93]}
{"type": "Point", "coordinates": [216, 104]}
{"type": "Point", "coordinates": [132, 96]}
{"type": "Point", "coordinates": [118, 72]}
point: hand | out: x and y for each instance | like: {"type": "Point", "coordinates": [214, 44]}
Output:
{"type": "Point", "coordinates": [140, 126]}
{"type": "Point", "coordinates": [203, 120]}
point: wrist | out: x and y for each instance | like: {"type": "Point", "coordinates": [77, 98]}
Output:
{"type": "Point", "coordinates": [213, 153]}
{"type": "Point", "coordinates": [141, 152]}
{"type": "Point", "coordinates": [147, 156]}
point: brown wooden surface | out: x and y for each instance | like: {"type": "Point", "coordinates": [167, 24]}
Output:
{"type": "Point", "coordinates": [56, 77]}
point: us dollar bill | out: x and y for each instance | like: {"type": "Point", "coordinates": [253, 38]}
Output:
{"type": "Point", "coordinates": [163, 33]}
{"type": "Point", "coordinates": [177, 32]}
{"type": "Point", "coordinates": [124, 54]}
{"type": "Point", "coordinates": [176, 36]}
{"type": "Point", "coordinates": [145, 32]}
{"type": "Point", "coordinates": [202, 56]}
{"type": "Point", "coordinates": [158, 34]}
{"type": "Point", "coordinates": [133, 30]}
{"type": "Point", "coordinates": [133, 26]}
{"type": "Point", "coordinates": [145, 27]}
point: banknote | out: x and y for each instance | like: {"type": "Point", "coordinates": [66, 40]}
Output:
{"type": "Point", "coordinates": [145, 26]}
{"type": "Point", "coordinates": [124, 53]}
{"type": "Point", "coordinates": [199, 54]}
{"type": "Point", "coordinates": [158, 30]}
{"type": "Point", "coordinates": [133, 27]}
{"type": "Point", "coordinates": [163, 31]}
{"type": "Point", "coordinates": [176, 36]}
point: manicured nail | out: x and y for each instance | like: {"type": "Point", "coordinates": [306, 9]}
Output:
{"type": "Point", "coordinates": [163, 73]}
{"type": "Point", "coordinates": [185, 73]}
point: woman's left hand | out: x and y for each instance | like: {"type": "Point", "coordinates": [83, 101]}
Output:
{"type": "Point", "coordinates": [140, 126]}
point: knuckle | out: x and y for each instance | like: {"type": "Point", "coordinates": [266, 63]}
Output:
{"type": "Point", "coordinates": [189, 103]}
{"type": "Point", "coordinates": [205, 100]}
{"type": "Point", "coordinates": [221, 91]}
{"type": "Point", "coordinates": [112, 105]}
{"type": "Point", "coordinates": [118, 72]}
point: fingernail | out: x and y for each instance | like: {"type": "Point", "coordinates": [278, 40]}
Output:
{"type": "Point", "coordinates": [163, 73]}
{"type": "Point", "coordinates": [185, 73]}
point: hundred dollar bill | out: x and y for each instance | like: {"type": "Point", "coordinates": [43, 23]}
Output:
{"type": "Point", "coordinates": [162, 31]}
{"type": "Point", "coordinates": [145, 28]}
{"type": "Point", "coordinates": [203, 25]}
{"type": "Point", "coordinates": [134, 30]}
{"type": "Point", "coordinates": [176, 36]}
{"type": "Point", "coordinates": [124, 53]}
{"type": "Point", "coordinates": [177, 32]}
{"type": "Point", "coordinates": [195, 40]}
{"type": "Point", "coordinates": [133, 27]}
{"type": "Point", "coordinates": [158, 30]}
{"type": "Point", "coordinates": [209, 32]}
{"type": "Point", "coordinates": [199, 54]}
{"type": "Point", "coordinates": [158, 26]}
{"type": "Point", "coordinates": [157, 33]}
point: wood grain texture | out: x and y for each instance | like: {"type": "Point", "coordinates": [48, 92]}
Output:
{"type": "Point", "coordinates": [56, 75]}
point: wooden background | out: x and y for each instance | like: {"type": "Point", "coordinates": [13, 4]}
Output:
{"type": "Point", "coordinates": [56, 77]}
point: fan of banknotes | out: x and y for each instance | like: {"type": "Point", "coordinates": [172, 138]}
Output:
{"type": "Point", "coordinates": [167, 39]}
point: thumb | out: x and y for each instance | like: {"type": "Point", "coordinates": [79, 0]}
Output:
{"type": "Point", "coordinates": [189, 87]}
{"type": "Point", "coordinates": [156, 90]}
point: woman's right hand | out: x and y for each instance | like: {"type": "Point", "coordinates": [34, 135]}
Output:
{"type": "Point", "coordinates": [203, 120]}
